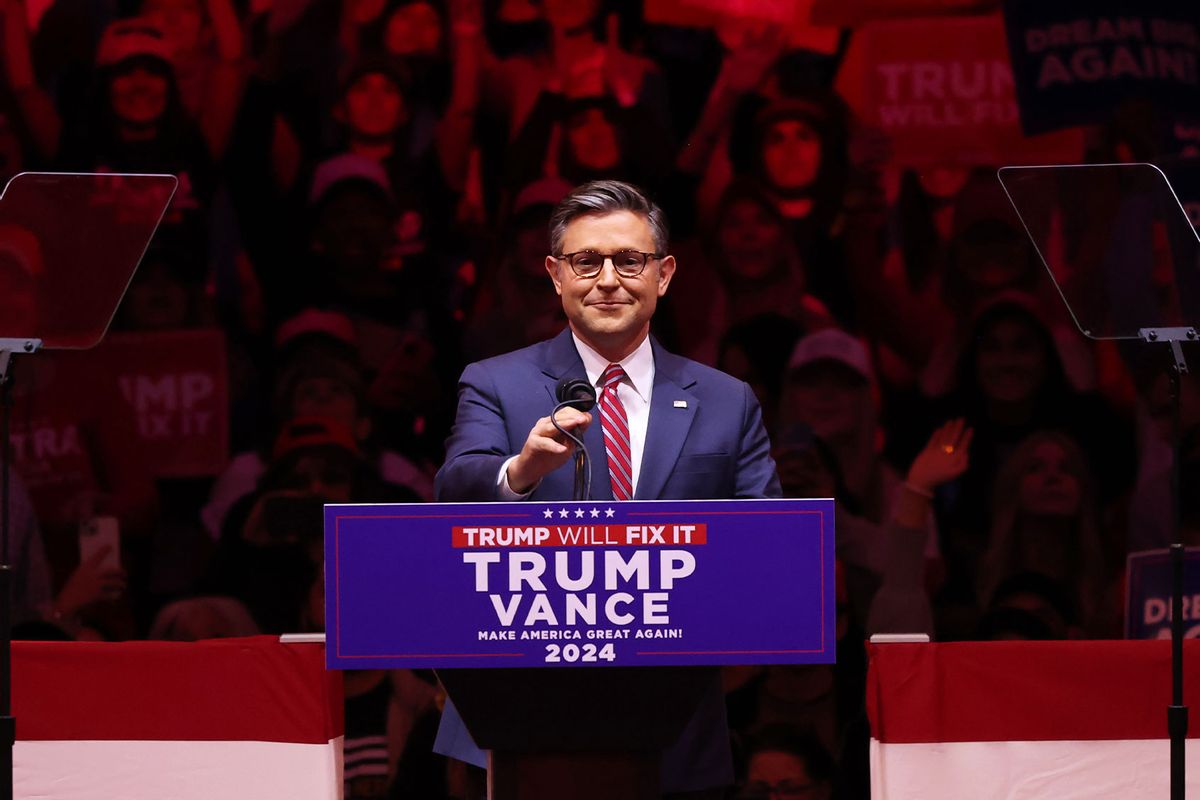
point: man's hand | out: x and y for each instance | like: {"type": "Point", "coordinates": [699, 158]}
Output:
{"type": "Point", "coordinates": [545, 450]}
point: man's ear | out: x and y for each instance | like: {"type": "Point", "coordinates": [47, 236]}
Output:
{"type": "Point", "coordinates": [552, 268]}
{"type": "Point", "coordinates": [666, 271]}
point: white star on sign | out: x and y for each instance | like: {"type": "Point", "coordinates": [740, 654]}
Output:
{"type": "Point", "coordinates": [548, 513]}
{"type": "Point", "coordinates": [595, 513]}
{"type": "Point", "coordinates": [578, 513]}
{"type": "Point", "coordinates": [608, 512]}
{"type": "Point", "coordinates": [563, 513]}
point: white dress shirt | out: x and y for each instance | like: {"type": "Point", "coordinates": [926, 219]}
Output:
{"type": "Point", "coordinates": [633, 391]}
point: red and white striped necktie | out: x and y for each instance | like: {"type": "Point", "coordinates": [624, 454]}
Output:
{"type": "Point", "coordinates": [615, 424]}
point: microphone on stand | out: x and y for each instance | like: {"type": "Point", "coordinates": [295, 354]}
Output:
{"type": "Point", "coordinates": [580, 395]}
{"type": "Point", "coordinates": [577, 393]}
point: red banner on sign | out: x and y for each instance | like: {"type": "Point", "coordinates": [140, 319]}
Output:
{"type": "Point", "coordinates": [942, 90]}
{"type": "Point", "coordinates": [577, 535]}
{"type": "Point", "coordinates": [176, 385]}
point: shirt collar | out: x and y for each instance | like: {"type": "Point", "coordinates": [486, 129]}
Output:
{"type": "Point", "coordinates": [638, 365]}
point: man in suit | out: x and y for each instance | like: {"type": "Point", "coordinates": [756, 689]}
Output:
{"type": "Point", "coordinates": [668, 428]}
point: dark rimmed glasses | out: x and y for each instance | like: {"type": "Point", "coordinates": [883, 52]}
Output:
{"type": "Point", "coordinates": [589, 263]}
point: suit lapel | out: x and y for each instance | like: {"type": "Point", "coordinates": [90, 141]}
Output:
{"type": "Point", "coordinates": [562, 360]}
{"type": "Point", "coordinates": [668, 425]}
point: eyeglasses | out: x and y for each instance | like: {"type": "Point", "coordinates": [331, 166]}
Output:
{"type": "Point", "coordinates": [589, 263]}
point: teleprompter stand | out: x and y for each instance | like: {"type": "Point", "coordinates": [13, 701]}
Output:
{"type": "Point", "coordinates": [8, 724]}
{"type": "Point", "coordinates": [1126, 261]}
{"type": "Point", "coordinates": [1177, 712]}
{"type": "Point", "coordinates": [69, 245]}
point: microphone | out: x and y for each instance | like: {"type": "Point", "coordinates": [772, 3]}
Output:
{"type": "Point", "coordinates": [576, 393]}
{"type": "Point", "coordinates": [580, 395]}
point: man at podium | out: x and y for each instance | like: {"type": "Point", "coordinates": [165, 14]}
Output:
{"type": "Point", "coordinates": [667, 427]}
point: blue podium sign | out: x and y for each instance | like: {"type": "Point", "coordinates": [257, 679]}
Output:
{"type": "Point", "coordinates": [639, 583]}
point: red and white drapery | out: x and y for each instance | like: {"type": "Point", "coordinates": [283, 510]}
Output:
{"type": "Point", "coordinates": [991, 720]}
{"type": "Point", "coordinates": [233, 718]}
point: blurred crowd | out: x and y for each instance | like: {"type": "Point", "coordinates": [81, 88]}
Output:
{"type": "Point", "coordinates": [364, 193]}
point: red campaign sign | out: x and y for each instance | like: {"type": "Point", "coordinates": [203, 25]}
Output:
{"type": "Point", "coordinates": [942, 89]}
{"type": "Point", "coordinates": [176, 385]}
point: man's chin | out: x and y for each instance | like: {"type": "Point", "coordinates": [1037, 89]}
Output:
{"type": "Point", "coordinates": [609, 323]}
{"type": "Point", "coordinates": [596, 325]}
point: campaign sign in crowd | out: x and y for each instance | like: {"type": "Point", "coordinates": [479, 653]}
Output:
{"type": "Point", "coordinates": [1148, 604]}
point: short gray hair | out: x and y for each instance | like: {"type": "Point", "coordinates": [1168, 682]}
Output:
{"type": "Point", "coordinates": [606, 197]}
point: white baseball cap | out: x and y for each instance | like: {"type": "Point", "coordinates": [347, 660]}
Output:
{"type": "Point", "coordinates": [836, 345]}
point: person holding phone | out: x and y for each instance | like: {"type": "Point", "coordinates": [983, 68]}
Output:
{"type": "Point", "coordinates": [98, 576]}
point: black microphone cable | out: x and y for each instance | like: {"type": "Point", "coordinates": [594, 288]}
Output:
{"type": "Point", "coordinates": [580, 395]}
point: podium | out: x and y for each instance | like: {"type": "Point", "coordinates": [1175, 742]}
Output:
{"type": "Point", "coordinates": [579, 640]}
{"type": "Point", "coordinates": [588, 733]}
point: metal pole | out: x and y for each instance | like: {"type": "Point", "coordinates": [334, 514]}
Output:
{"type": "Point", "coordinates": [1177, 712]}
{"type": "Point", "coordinates": [8, 724]}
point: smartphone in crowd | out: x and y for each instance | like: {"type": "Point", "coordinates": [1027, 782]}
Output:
{"type": "Point", "coordinates": [97, 533]}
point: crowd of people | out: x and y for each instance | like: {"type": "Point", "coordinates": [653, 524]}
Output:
{"type": "Point", "coordinates": [364, 192]}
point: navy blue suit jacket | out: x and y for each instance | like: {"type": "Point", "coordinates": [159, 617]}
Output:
{"type": "Point", "coordinates": [714, 447]}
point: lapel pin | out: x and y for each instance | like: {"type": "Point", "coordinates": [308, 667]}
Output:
{"type": "Point", "coordinates": [681, 403]}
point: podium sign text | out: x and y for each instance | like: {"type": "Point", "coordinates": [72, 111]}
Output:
{"type": "Point", "coordinates": [642, 583]}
